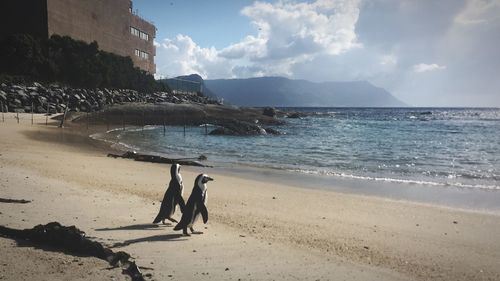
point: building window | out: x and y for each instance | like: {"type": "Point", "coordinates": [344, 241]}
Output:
{"type": "Point", "coordinates": [136, 32]}
{"type": "Point", "coordinates": [141, 54]}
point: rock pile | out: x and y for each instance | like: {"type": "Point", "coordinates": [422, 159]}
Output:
{"type": "Point", "coordinates": [55, 98]}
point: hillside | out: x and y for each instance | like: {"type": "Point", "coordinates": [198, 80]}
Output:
{"type": "Point", "coordinates": [279, 91]}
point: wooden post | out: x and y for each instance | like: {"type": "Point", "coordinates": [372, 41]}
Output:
{"type": "Point", "coordinates": [47, 115]}
{"type": "Point", "coordinates": [17, 116]}
{"type": "Point", "coordinates": [32, 113]}
{"type": "Point", "coordinates": [184, 122]}
{"type": "Point", "coordinates": [3, 118]}
{"type": "Point", "coordinates": [106, 113]}
{"type": "Point", "coordinates": [164, 127]}
{"type": "Point", "coordinates": [143, 118]}
{"type": "Point", "coordinates": [64, 115]}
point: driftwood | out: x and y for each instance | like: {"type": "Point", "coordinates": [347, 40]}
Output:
{"type": "Point", "coordinates": [71, 239]}
{"type": "Point", "coordinates": [160, 159]}
{"type": "Point", "coordinates": [18, 201]}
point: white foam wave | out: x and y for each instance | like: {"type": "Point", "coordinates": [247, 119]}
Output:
{"type": "Point", "coordinates": [404, 181]}
{"type": "Point", "coordinates": [145, 128]}
{"type": "Point", "coordinates": [113, 142]}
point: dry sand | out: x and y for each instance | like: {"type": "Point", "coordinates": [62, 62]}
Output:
{"type": "Point", "coordinates": [256, 231]}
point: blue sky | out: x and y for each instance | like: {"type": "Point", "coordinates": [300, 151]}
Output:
{"type": "Point", "coordinates": [209, 23]}
{"type": "Point", "coordinates": [426, 52]}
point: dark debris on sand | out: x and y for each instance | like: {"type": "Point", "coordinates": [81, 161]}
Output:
{"type": "Point", "coordinates": [160, 159]}
{"type": "Point", "coordinates": [72, 240]}
{"type": "Point", "coordinates": [18, 201]}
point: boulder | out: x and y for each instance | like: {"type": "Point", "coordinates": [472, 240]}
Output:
{"type": "Point", "coordinates": [239, 128]}
{"type": "Point", "coordinates": [272, 131]}
{"type": "Point", "coordinates": [294, 115]}
{"type": "Point", "coordinates": [269, 111]}
{"type": "Point", "coordinates": [3, 96]}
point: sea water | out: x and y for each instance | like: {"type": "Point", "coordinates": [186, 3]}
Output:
{"type": "Point", "coordinates": [457, 147]}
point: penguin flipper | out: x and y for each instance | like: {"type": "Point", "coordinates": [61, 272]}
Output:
{"type": "Point", "coordinates": [204, 213]}
{"type": "Point", "coordinates": [162, 214]}
{"type": "Point", "coordinates": [181, 203]}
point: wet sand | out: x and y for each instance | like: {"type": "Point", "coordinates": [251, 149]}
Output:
{"type": "Point", "coordinates": [257, 230]}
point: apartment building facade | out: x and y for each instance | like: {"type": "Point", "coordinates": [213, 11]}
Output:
{"type": "Point", "coordinates": [111, 23]}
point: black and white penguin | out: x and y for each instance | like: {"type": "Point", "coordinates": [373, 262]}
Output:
{"type": "Point", "coordinates": [172, 197]}
{"type": "Point", "coordinates": [195, 205]}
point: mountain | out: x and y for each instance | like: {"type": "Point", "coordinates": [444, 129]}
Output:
{"type": "Point", "coordinates": [279, 91]}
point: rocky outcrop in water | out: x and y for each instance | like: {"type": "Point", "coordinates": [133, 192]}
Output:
{"type": "Point", "coordinates": [188, 114]}
{"type": "Point", "coordinates": [55, 98]}
{"type": "Point", "coordinates": [240, 128]}
{"type": "Point", "coordinates": [269, 111]}
{"type": "Point", "coordinates": [128, 107]}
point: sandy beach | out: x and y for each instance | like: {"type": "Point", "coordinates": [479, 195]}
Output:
{"type": "Point", "coordinates": [257, 230]}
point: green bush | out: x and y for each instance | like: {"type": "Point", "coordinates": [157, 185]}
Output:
{"type": "Point", "coordinates": [73, 62]}
{"type": "Point", "coordinates": [23, 55]}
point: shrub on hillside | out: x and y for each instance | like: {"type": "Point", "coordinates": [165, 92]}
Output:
{"type": "Point", "coordinates": [74, 62]}
{"type": "Point", "coordinates": [23, 55]}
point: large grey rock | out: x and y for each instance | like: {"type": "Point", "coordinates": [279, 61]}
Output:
{"type": "Point", "coordinates": [269, 111]}
{"type": "Point", "coordinates": [239, 128]}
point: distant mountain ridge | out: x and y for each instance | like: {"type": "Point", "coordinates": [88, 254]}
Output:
{"type": "Point", "coordinates": [280, 91]}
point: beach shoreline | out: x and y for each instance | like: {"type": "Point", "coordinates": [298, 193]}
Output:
{"type": "Point", "coordinates": [258, 230]}
{"type": "Point", "coordinates": [439, 195]}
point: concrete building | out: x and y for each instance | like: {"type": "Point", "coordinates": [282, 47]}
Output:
{"type": "Point", "coordinates": [111, 23]}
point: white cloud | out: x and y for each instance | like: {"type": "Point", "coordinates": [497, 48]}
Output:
{"type": "Point", "coordinates": [182, 55]}
{"type": "Point", "coordinates": [288, 33]}
{"type": "Point", "coordinates": [389, 60]}
{"type": "Point", "coordinates": [478, 12]}
{"type": "Point", "coordinates": [422, 67]}
{"type": "Point", "coordinates": [289, 29]}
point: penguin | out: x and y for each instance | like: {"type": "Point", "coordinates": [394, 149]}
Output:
{"type": "Point", "coordinates": [172, 197]}
{"type": "Point", "coordinates": [195, 206]}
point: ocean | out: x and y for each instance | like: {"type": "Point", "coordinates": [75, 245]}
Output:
{"type": "Point", "coordinates": [441, 147]}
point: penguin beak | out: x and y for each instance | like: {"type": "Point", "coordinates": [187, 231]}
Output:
{"type": "Point", "coordinates": [207, 179]}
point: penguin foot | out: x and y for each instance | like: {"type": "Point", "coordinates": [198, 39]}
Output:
{"type": "Point", "coordinates": [185, 233]}
{"type": "Point", "coordinates": [195, 232]}
{"type": "Point", "coordinates": [172, 220]}
{"type": "Point", "coordinates": [166, 223]}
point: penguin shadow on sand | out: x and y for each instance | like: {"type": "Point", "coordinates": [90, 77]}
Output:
{"type": "Point", "coordinates": [144, 226]}
{"type": "Point", "coordinates": [154, 238]}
